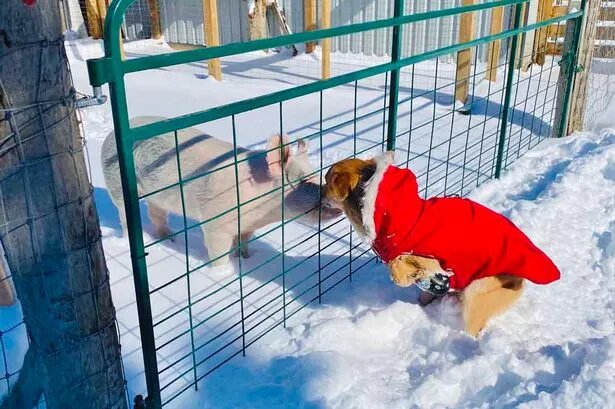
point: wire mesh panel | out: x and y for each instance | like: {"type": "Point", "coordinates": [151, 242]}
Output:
{"type": "Point", "coordinates": [602, 68]}
{"type": "Point", "coordinates": [252, 245]}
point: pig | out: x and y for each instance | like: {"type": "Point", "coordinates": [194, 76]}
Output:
{"type": "Point", "coordinates": [260, 174]}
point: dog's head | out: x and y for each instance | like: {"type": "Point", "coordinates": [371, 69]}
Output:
{"type": "Point", "coordinates": [344, 188]}
{"type": "Point", "coordinates": [344, 181]}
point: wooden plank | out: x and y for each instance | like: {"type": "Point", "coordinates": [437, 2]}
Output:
{"type": "Point", "coordinates": [607, 13]}
{"type": "Point", "coordinates": [212, 35]}
{"type": "Point", "coordinates": [554, 48]}
{"type": "Point", "coordinates": [540, 43]}
{"type": "Point", "coordinates": [464, 57]}
{"type": "Point", "coordinates": [605, 32]}
{"type": "Point", "coordinates": [309, 17]}
{"type": "Point", "coordinates": [558, 11]}
{"type": "Point", "coordinates": [154, 19]}
{"type": "Point", "coordinates": [493, 56]}
{"type": "Point", "coordinates": [556, 31]}
{"type": "Point", "coordinates": [587, 48]}
{"type": "Point", "coordinates": [605, 51]}
{"type": "Point", "coordinates": [326, 43]}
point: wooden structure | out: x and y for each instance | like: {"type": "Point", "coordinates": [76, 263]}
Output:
{"type": "Point", "coordinates": [588, 48]}
{"type": "Point", "coordinates": [464, 57]}
{"type": "Point", "coordinates": [563, 79]}
{"type": "Point", "coordinates": [497, 20]}
{"type": "Point", "coordinates": [6, 291]}
{"type": "Point", "coordinates": [605, 31]}
{"type": "Point", "coordinates": [212, 35]}
{"type": "Point", "coordinates": [96, 10]}
{"type": "Point", "coordinates": [326, 43]}
{"type": "Point", "coordinates": [309, 16]}
{"type": "Point", "coordinates": [154, 18]}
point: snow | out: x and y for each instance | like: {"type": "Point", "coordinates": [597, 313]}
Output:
{"type": "Point", "coordinates": [369, 344]}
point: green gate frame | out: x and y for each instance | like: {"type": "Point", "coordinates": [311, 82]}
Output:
{"type": "Point", "coordinates": [111, 69]}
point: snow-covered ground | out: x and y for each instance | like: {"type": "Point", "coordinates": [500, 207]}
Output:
{"type": "Point", "coordinates": [369, 345]}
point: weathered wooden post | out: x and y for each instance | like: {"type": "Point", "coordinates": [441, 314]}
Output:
{"type": "Point", "coordinates": [464, 57]}
{"type": "Point", "coordinates": [154, 19]}
{"type": "Point", "coordinates": [49, 224]}
{"type": "Point", "coordinates": [540, 42]}
{"type": "Point", "coordinates": [212, 35]}
{"type": "Point", "coordinates": [586, 54]}
{"type": "Point", "coordinates": [94, 19]}
{"type": "Point", "coordinates": [309, 17]}
{"type": "Point", "coordinates": [564, 81]}
{"type": "Point", "coordinates": [326, 43]}
{"type": "Point", "coordinates": [494, 47]}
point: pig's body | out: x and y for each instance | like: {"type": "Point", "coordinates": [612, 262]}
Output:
{"type": "Point", "coordinates": [212, 196]}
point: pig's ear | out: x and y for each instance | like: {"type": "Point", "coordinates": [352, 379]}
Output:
{"type": "Point", "coordinates": [278, 153]}
{"type": "Point", "coordinates": [302, 147]}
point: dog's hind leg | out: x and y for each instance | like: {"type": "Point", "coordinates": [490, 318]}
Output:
{"type": "Point", "coordinates": [488, 297]}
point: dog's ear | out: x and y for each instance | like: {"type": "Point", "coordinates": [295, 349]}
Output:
{"type": "Point", "coordinates": [341, 185]}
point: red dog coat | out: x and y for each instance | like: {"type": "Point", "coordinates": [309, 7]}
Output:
{"type": "Point", "coordinates": [468, 239]}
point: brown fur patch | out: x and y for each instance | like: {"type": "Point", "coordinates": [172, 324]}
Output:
{"type": "Point", "coordinates": [485, 298]}
{"type": "Point", "coordinates": [344, 187]}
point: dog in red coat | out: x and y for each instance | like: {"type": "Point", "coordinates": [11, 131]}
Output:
{"type": "Point", "coordinates": [472, 249]}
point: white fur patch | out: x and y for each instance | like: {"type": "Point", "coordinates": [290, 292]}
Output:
{"type": "Point", "coordinates": [371, 192]}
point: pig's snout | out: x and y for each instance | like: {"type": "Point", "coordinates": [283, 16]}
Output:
{"type": "Point", "coordinates": [305, 198]}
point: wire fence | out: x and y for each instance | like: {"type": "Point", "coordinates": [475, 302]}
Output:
{"type": "Point", "coordinates": [601, 87]}
{"type": "Point", "coordinates": [194, 318]}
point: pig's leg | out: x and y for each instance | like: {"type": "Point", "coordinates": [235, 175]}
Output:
{"type": "Point", "coordinates": [243, 252]}
{"type": "Point", "coordinates": [159, 218]}
{"type": "Point", "coordinates": [219, 243]}
{"type": "Point", "coordinates": [245, 238]}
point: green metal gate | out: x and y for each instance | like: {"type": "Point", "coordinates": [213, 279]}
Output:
{"type": "Point", "coordinates": [497, 147]}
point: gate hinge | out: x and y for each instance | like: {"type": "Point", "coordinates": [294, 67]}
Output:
{"type": "Point", "coordinates": [579, 68]}
{"type": "Point", "coordinates": [99, 71]}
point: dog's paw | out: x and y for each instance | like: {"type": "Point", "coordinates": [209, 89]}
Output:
{"type": "Point", "coordinates": [426, 298]}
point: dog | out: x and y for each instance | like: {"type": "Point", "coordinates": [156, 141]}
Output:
{"type": "Point", "coordinates": [478, 253]}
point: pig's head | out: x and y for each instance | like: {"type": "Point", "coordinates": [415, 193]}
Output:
{"type": "Point", "coordinates": [302, 192]}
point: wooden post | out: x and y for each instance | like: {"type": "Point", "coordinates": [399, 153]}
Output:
{"type": "Point", "coordinates": [527, 56]}
{"type": "Point", "coordinates": [50, 228]}
{"type": "Point", "coordinates": [326, 43]}
{"type": "Point", "coordinates": [94, 19]}
{"type": "Point", "coordinates": [540, 43]}
{"type": "Point", "coordinates": [564, 76]}
{"type": "Point", "coordinates": [309, 17]}
{"type": "Point", "coordinates": [257, 19]}
{"type": "Point", "coordinates": [494, 47]}
{"type": "Point", "coordinates": [122, 52]}
{"type": "Point", "coordinates": [212, 35]}
{"type": "Point", "coordinates": [464, 57]}
{"type": "Point", "coordinates": [154, 19]}
{"type": "Point", "coordinates": [6, 291]}
{"type": "Point", "coordinates": [586, 54]}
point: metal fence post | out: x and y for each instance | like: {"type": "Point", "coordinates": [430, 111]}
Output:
{"type": "Point", "coordinates": [508, 92]}
{"type": "Point", "coordinates": [124, 142]}
{"type": "Point", "coordinates": [398, 11]}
